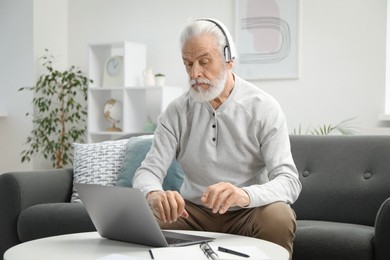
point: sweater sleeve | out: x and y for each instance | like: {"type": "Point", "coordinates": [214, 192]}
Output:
{"type": "Point", "coordinates": [284, 184]}
{"type": "Point", "coordinates": [150, 175]}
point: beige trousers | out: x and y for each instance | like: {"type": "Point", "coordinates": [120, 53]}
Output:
{"type": "Point", "coordinates": [274, 222]}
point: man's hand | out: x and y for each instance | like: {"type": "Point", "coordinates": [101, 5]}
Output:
{"type": "Point", "coordinates": [223, 195]}
{"type": "Point", "coordinates": [167, 206]}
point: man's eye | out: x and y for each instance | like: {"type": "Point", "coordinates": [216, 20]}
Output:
{"type": "Point", "coordinates": [204, 61]}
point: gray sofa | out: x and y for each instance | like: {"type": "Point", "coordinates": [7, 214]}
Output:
{"type": "Point", "coordinates": [343, 211]}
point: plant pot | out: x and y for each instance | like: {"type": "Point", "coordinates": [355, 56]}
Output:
{"type": "Point", "coordinates": [160, 80]}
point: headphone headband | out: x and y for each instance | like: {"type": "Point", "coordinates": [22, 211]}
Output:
{"type": "Point", "coordinates": [229, 52]}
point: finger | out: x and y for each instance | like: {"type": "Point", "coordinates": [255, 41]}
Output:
{"type": "Point", "coordinates": [176, 206]}
{"type": "Point", "coordinates": [214, 193]}
{"type": "Point", "coordinates": [209, 196]}
{"type": "Point", "coordinates": [172, 213]}
{"type": "Point", "coordinates": [204, 198]}
{"type": "Point", "coordinates": [181, 206]}
{"type": "Point", "coordinates": [184, 214]}
{"type": "Point", "coordinates": [221, 200]}
{"type": "Point", "coordinates": [170, 207]}
{"type": "Point", "coordinates": [166, 207]}
{"type": "Point", "coordinates": [228, 202]}
{"type": "Point", "coordinates": [161, 212]}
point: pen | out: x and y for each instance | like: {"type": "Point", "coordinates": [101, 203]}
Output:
{"type": "Point", "coordinates": [226, 250]}
{"type": "Point", "coordinates": [151, 254]}
{"type": "Point", "coordinates": [208, 251]}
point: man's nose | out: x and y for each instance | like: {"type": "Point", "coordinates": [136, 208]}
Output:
{"type": "Point", "coordinates": [196, 71]}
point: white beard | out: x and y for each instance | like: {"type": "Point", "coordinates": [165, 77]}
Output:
{"type": "Point", "coordinates": [213, 91]}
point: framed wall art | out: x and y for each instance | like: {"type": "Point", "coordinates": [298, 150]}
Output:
{"type": "Point", "coordinates": [267, 39]}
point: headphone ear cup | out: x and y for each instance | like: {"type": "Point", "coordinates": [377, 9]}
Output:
{"type": "Point", "coordinates": [226, 53]}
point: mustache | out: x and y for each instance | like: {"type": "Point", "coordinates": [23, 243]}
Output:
{"type": "Point", "coordinates": [200, 81]}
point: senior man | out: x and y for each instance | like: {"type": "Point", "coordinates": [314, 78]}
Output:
{"type": "Point", "coordinates": [231, 139]}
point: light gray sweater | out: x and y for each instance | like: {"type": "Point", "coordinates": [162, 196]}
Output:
{"type": "Point", "coordinates": [244, 142]}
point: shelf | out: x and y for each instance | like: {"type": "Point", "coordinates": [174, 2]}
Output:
{"type": "Point", "coordinates": [3, 114]}
{"type": "Point", "coordinates": [139, 104]}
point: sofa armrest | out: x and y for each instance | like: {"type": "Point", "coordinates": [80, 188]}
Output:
{"type": "Point", "coordinates": [382, 232]}
{"type": "Point", "coordinates": [19, 190]}
{"type": "Point", "coordinates": [37, 187]}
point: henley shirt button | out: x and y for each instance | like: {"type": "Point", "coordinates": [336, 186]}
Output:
{"type": "Point", "coordinates": [213, 114]}
{"type": "Point", "coordinates": [213, 139]}
{"type": "Point", "coordinates": [213, 126]}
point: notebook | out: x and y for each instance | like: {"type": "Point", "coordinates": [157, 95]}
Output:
{"type": "Point", "coordinates": [123, 214]}
{"type": "Point", "coordinates": [194, 252]}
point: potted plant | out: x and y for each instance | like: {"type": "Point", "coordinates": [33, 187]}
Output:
{"type": "Point", "coordinates": [160, 79]}
{"type": "Point", "coordinates": [342, 128]}
{"type": "Point", "coordinates": [59, 113]}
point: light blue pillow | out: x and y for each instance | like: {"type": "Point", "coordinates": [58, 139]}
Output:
{"type": "Point", "coordinates": [137, 148]}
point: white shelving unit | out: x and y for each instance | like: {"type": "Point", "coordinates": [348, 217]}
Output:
{"type": "Point", "coordinates": [138, 102]}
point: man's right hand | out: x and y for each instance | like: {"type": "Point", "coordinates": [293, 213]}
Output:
{"type": "Point", "coordinates": [167, 206]}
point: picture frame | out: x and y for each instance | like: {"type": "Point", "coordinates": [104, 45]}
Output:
{"type": "Point", "coordinates": [267, 39]}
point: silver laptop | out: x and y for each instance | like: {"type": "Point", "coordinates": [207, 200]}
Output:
{"type": "Point", "coordinates": [123, 214]}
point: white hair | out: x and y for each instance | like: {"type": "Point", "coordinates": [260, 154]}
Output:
{"type": "Point", "coordinates": [201, 27]}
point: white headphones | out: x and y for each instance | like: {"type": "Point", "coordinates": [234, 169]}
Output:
{"type": "Point", "coordinates": [228, 51]}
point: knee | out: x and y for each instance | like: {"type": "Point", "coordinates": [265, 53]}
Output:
{"type": "Point", "coordinates": [279, 217]}
{"type": "Point", "coordinates": [276, 223]}
{"type": "Point", "coordinates": [278, 213]}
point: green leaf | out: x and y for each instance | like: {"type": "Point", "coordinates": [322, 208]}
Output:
{"type": "Point", "coordinates": [344, 128]}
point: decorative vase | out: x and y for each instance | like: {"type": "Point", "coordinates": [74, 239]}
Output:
{"type": "Point", "coordinates": [149, 79]}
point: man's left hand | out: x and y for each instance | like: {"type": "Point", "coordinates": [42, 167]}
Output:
{"type": "Point", "coordinates": [223, 195]}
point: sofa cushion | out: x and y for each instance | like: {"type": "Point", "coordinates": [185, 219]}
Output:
{"type": "Point", "coordinates": [97, 163]}
{"type": "Point", "coordinates": [344, 178]}
{"type": "Point", "coordinates": [53, 219]}
{"type": "Point", "coordinates": [322, 240]}
{"type": "Point", "coordinates": [136, 151]}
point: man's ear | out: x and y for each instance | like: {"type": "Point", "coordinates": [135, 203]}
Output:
{"type": "Point", "coordinates": [230, 64]}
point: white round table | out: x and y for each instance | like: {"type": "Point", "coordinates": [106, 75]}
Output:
{"type": "Point", "coordinates": [91, 246]}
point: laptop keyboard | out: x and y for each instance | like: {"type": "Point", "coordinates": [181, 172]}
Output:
{"type": "Point", "coordinates": [174, 240]}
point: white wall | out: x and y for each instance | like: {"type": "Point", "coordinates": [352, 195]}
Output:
{"type": "Point", "coordinates": [342, 64]}
{"type": "Point", "coordinates": [26, 28]}
{"type": "Point", "coordinates": [155, 23]}
{"type": "Point", "coordinates": [16, 63]}
{"type": "Point", "coordinates": [342, 54]}
{"type": "Point", "coordinates": [51, 31]}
